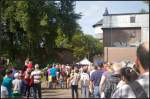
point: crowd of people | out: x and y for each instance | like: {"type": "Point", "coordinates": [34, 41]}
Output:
{"type": "Point", "coordinates": [22, 83]}
{"type": "Point", "coordinates": [106, 80]}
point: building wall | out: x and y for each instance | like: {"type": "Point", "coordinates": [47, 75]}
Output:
{"type": "Point", "coordinates": [121, 37]}
{"type": "Point", "coordinates": [117, 28]}
{"type": "Point", "coordinates": [145, 34]}
{"type": "Point", "coordinates": [98, 29]}
{"type": "Point", "coordinates": [117, 54]}
{"type": "Point", "coordinates": [98, 32]}
{"type": "Point", "coordinates": [141, 20]}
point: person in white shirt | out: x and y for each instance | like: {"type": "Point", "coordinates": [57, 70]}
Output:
{"type": "Point", "coordinates": [74, 80]}
{"type": "Point", "coordinates": [16, 85]}
{"type": "Point", "coordinates": [120, 84]}
{"type": "Point", "coordinates": [36, 76]}
{"type": "Point", "coordinates": [85, 81]}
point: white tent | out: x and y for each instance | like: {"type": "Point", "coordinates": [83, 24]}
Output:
{"type": "Point", "coordinates": [85, 61]}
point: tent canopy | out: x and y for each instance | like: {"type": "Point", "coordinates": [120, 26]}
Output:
{"type": "Point", "coordinates": [85, 61]}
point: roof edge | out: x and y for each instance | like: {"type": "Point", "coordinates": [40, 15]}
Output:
{"type": "Point", "coordinates": [97, 25]}
{"type": "Point", "coordinates": [125, 14]}
{"type": "Point", "coordinates": [119, 27]}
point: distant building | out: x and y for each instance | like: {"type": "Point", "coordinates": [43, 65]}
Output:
{"type": "Point", "coordinates": [98, 30]}
{"type": "Point", "coordinates": [126, 29]}
{"type": "Point", "coordinates": [123, 30]}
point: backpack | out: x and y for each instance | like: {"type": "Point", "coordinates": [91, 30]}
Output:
{"type": "Point", "coordinates": [75, 79]}
{"type": "Point", "coordinates": [138, 90]}
{"type": "Point", "coordinates": [110, 86]}
{"type": "Point", "coordinates": [85, 80]}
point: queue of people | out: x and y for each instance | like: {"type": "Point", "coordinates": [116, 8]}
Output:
{"type": "Point", "coordinates": [106, 80]}
{"type": "Point", "coordinates": [57, 76]}
{"type": "Point", "coordinates": [116, 80]}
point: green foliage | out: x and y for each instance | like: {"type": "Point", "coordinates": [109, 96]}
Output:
{"type": "Point", "coordinates": [85, 45]}
{"type": "Point", "coordinates": [61, 39]}
{"type": "Point", "coordinates": [13, 64]}
{"type": "Point", "coordinates": [32, 28]}
{"type": "Point", "coordinates": [68, 17]}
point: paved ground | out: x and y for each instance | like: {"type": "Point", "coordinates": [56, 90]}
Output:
{"type": "Point", "coordinates": [56, 93]}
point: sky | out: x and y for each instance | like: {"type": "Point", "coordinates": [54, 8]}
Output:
{"type": "Point", "coordinates": [92, 11]}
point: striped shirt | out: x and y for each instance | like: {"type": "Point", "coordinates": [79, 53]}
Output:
{"type": "Point", "coordinates": [37, 75]}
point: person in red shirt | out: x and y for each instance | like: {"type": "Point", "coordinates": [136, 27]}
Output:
{"type": "Point", "coordinates": [28, 81]}
{"type": "Point", "coordinates": [30, 66]}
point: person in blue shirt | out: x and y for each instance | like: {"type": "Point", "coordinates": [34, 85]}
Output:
{"type": "Point", "coordinates": [95, 80]}
{"type": "Point", "coordinates": [7, 82]}
{"type": "Point", "coordinates": [53, 73]}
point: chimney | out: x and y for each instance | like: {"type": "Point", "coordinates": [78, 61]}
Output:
{"type": "Point", "coordinates": [106, 12]}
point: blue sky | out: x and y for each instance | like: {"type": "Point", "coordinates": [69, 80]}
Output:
{"type": "Point", "coordinates": [92, 11]}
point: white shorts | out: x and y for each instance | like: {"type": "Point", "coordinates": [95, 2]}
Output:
{"type": "Point", "coordinates": [4, 92]}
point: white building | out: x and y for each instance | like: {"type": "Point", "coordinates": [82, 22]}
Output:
{"type": "Point", "coordinates": [128, 28]}
{"type": "Point", "coordinates": [122, 33]}
{"type": "Point", "coordinates": [138, 23]}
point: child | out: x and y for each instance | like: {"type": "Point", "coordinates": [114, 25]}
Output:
{"type": "Point", "coordinates": [16, 85]}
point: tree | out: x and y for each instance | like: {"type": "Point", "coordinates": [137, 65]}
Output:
{"type": "Point", "coordinates": [85, 45]}
{"type": "Point", "coordinates": [78, 47]}
{"type": "Point", "coordinates": [10, 33]}
{"type": "Point", "coordinates": [93, 46]}
{"type": "Point", "coordinates": [68, 17]}
{"type": "Point", "coordinates": [36, 26]}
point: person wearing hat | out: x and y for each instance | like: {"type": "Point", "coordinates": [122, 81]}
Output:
{"type": "Point", "coordinates": [16, 85]}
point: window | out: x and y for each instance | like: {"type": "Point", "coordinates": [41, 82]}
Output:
{"type": "Point", "coordinates": [132, 19]}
